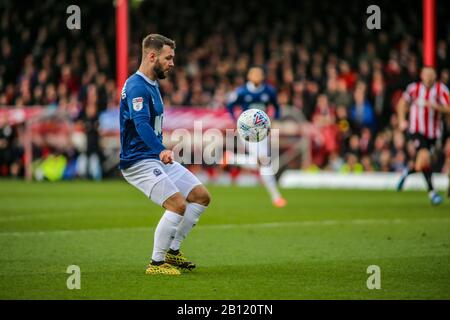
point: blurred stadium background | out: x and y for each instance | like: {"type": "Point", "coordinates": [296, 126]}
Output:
{"type": "Point", "coordinates": [337, 81]}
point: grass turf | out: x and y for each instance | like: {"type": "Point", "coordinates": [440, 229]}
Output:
{"type": "Point", "coordinates": [318, 247]}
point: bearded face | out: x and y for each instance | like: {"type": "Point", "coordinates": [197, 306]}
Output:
{"type": "Point", "coordinates": [159, 70]}
{"type": "Point", "coordinates": [164, 62]}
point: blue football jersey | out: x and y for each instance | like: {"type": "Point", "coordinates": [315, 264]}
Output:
{"type": "Point", "coordinates": [141, 117]}
{"type": "Point", "coordinates": [250, 97]}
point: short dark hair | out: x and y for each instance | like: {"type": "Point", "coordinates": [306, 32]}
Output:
{"type": "Point", "coordinates": [258, 66]}
{"type": "Point", "coordinates": [156, 42]}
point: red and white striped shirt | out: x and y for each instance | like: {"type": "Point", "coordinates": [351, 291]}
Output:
{"type": "Point", "coordinates": [423, 119]}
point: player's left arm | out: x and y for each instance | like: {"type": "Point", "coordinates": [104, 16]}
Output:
{"type": "Point", "coordinates": [138, 102]}
{"type": "Point", "coordinates": [234, 100]}
{"type": "Point", "coordinates": [274, 101]}
{"type": "Point", "coordinates": [442, 109]}
{"type": "Point", "coordinates": [443, 104]}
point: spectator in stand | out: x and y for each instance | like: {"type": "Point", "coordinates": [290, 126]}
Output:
{"type": "Point", "coordinates": [324, 119]}
{"type": "Point", "coordinates": [353, 146]}
{"type": "Point", "coordinates": [352, 165]}
{"type": "Point", "coordinates": [366, 163]}
{"type": "Point", "coordinates": [6, 141]}
{"type": "Point", "coordinates": [365, 141]}
{"type": "Point", "coordinates": [89, 162]}
{"type": "Point", "coordinates": [347, 74]}
{"type": "Point", "coordinates": [343, 97]}
{"type": "Point", "coordinates": [361, 112]}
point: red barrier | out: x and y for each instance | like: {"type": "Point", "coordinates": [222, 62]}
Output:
{"type": "Point", "coordinates": [174, 117]}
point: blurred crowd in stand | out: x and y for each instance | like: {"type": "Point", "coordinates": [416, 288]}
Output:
{"type": "Point", "coordinates": [337, 79]}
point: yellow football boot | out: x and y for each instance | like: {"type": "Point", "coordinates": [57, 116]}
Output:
{"type": "Point", "coordinates": [165, 269]}
{"type": "Point", "coordinates": [178, 259]}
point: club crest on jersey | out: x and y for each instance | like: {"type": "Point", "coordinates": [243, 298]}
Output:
{"type": "Point", "coordinates": [157, 172]}
{"type": "Point", "coordinates": [138, 103]}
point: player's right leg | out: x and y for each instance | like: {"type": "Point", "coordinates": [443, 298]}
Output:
{"type": "Point", "coordinates": [198, 199]}
{"type": "Point", "coordinates": [149, 177]}
{"type": "Point", "coordinates": [447, 160]}
{"type": "Point", "coordinates": [175, 207]}
{"type": "Point", "coordinates": [423, 164]}
{"type": "Point", "coordinates": [448, 187]}
{"type": "Point", "coordinates": [261, 151]}
{"type": "Point", "coordinates": [411, 168]}
{"type": "Point", "coordinates": [406, 172]}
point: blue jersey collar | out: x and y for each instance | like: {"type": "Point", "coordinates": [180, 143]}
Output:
{"type": "Point", "coordinates": [152, 82]}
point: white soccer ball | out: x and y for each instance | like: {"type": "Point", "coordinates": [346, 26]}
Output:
{"type": "Point", "coordinates": [253, 125]}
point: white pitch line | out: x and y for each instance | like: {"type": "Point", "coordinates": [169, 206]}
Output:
{"type": "Point", "coordinates": [310, 223]}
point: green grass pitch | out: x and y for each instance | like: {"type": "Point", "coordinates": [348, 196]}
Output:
{"type": "Point", "coordinates": [318, 247]}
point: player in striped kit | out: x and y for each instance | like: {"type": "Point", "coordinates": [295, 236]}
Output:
{"type": "Point", "coordinates": [427, 100]}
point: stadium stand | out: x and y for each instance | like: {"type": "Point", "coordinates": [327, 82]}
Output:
{"type": "Point", "coordinates": [336, 80]}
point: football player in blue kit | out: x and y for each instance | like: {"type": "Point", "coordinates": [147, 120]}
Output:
{"type": "Point", "coordinates": [146, 163]}
{"type": "Point", "coordinates": [257, 94]}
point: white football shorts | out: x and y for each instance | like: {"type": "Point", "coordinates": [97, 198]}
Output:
{"type": "Point", "coordinates": [159, 181]}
